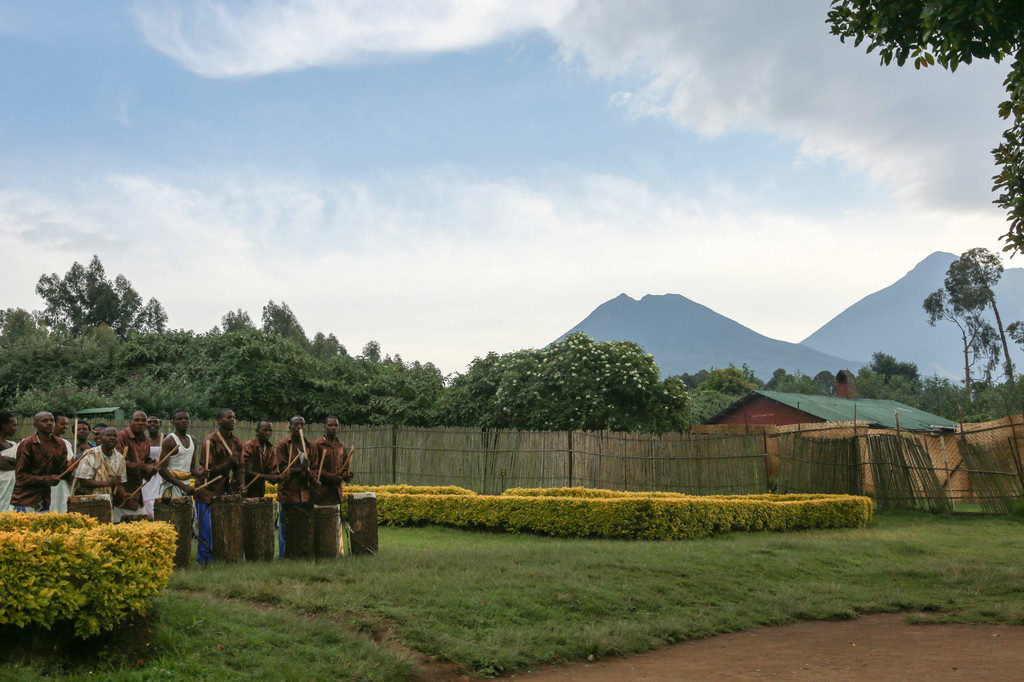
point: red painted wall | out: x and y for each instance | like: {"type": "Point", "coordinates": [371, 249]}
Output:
{"type": "Point", "coordinates": [762, 410]}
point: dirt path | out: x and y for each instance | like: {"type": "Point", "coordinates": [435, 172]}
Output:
{"type": "Point", "coordinates": [876, 647]}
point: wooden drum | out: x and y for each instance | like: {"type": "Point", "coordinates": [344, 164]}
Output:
{"type": "Point", "coordinates": [326, 532]}
{"type": "Point", "coordinates": [96, 506]}
{"type": "Point", "coordinates": [177, 511]}
{"type": "Point", "coordinates": [298, 530]}
{"type": "Point", "coordinates": [258, 515]}
{"type": "Point", "coordinates": [227, 526]}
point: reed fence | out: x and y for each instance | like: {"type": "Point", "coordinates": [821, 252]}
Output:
{"type": "Point", "coordinates": [491, 461]}
{"type": "Point", "coordinates": [819, 465]}
{"type": "Point", "coordinates": [904, 476]}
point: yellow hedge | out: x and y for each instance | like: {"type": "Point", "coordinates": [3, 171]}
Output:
{"type": "Point", "coordinates": [69, 567]}
{"type": "Point", "coordinates": [271, 490]}
{"type": "Point", "coordinates": [636, 517]}
{"type": "Point", "coordinates": [410, 489]}
{"type": "Point", "coordinates": [597, 492]}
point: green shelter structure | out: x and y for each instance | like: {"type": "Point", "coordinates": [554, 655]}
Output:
{"type": "Point", "coordinates": [771, 407]}
{"type": "Point", "coordinates": [109, 413]}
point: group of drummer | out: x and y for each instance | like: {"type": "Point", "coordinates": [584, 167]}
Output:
{"type": "Point", "coordinates": [137, 465]}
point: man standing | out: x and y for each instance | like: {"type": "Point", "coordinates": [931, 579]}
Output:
{"type": "Point", "coordinates": [151, 490]}
{"type": "Point", "coordinates": [222, 451]}
{"type": "Point", "coordinates": [291, 462]}
{"type": "Point", "coordinates": [329, 466]}
{"type": "Point", "coordinates": [102, 471]}
{"type": "Point", "coordinates": [177, 470]}
{"type": "Point", "coordinates": [82, 442]}
{"type": "Point", "coordinates": [256, 461]}
{"type": "Point", "coordinates": [133, 443]}
{"type": "Point", "coordinates": [8, 456]}
{"type": "Point", "coordinates": [40, 461]}
{"type": "Point", "coordinates": [62, 491]}
{"type": "Point", "coordinates": [153, 430]}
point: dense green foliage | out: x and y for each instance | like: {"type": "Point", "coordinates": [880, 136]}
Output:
{"type": "Point", "coordinates": [950, 33]}
{"type": "Point", "coordinates": [575, 383]}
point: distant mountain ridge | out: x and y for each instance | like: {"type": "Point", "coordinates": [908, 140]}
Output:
{"type": "Point", "coordinates": [892, 320]}
{"type": "Point", "coordinates": [686, 337]}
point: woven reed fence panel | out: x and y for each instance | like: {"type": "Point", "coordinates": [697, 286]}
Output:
{"type": "Point", "coordinates": [693, 464]}
{"type": "Point", "coordinates": [903, 475]}
{"type": "Point", "coordinates": [994, 476]}
{"type": "Point", "coordinates": [491, 461]}
{"type": "Point", "coordinates": [819, 465]}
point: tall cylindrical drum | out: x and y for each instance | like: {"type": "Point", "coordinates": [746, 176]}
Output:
{"type": "Point", "coordinates": [362, 516]}
{"type": "Point", "coordinates": [258, 513]}
{"type": "Point", "coordinates": [177, 511]}
{"type": "Point", "coordinates": [298, 530]}
{"type": "Point", "coordinates": [327, 532]}
{"type": "Point", "coordinates": [227, 528]}
{"type": "Point", "coordinates": [96, 506]}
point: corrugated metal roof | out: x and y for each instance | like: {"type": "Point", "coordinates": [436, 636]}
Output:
{"type": "Point", "coordinates": [879, 412]}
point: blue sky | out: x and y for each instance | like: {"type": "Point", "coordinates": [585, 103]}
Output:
{"type": "Point", "coordinates": [451, 178]}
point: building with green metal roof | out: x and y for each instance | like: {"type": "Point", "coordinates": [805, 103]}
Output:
{"type": "Point", "coordinates": [771, 407]}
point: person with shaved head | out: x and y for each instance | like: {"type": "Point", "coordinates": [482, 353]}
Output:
{"type": "Point", "coordinates": [40, 461]}
{"type": "Point", "coordinates": [133, 444]}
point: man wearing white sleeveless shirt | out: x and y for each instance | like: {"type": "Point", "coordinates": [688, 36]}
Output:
{"type": "Point", "coordinates": [177, 470]}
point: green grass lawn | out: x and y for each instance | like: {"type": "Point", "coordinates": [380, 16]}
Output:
{"type": "Point", "coordinates": [500, 603]}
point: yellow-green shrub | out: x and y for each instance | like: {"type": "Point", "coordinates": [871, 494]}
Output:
{"type": "Point", "coordinates": [600, 493]}
{"type": "Point", "coordinates": [637, 516]}
{"type": "Point", "coordinates": [271, 490]}
{"type": "Point", "coordinates": [410, 489]}
{"type": "Point", "coordinates": [68, 567]}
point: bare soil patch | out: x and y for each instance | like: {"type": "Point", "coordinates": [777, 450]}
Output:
{"type": "Point", "coordinates": [875, 647]}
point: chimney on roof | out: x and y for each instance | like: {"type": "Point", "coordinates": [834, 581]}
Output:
{"type": "Point", "coordinates": [846, 385]}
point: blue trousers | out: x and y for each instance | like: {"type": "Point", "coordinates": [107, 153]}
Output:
{"type": "Point", "coordinates": [204, 552]}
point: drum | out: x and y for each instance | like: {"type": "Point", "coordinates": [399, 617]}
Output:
{"type": "Point", "coordinates": [258, 515]}
{"type": "Point", "coordinates": [362, 515]}
{"type": "Point", "coordinates": [96, 506]}
{"type": "Point", "coordinates": [177, 511]}
{"type": "Point", "coordinates": [326, 532]}
{"type": "Point", "coordinates": [298, 530]}
{"type": "Point", "coordinates": [227, 526]}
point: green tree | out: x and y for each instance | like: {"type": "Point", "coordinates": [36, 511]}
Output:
{"type": "Point", "coordinates": [977, 336]}
{"type": "Point", "coordinates": [731, 381]}
{"type": "Point", "coordinates": [950, 33]}
{"type": "Point", "coordinates": [234, 320]}
{"type": "Point", "coordinates": [84, 298]}
{"type": "Point", "coordinates": [573, 384]}
{"type": "Point", "coordinates": [970, 282]}
{"type": "Point", "coordinates": [280, 320]}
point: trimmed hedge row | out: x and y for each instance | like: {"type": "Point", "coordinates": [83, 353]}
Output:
{"type": "Point", "coordinates": [69, 567]}
{"type": "Point", "coordinates": [599, 493]}
{"type": "Point", "coordinates": [410, 489]}
{"type": "Point", "coordinates": [639, 516]}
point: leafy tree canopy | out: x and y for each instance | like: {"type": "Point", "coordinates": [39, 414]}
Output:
{"type": "Point", "coordinates": [84, 298]}
{"type": "Point", "coordinates": [950, 33]}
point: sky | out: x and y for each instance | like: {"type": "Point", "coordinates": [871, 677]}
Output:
{"type": "Point", "coordinates": [455, 177]}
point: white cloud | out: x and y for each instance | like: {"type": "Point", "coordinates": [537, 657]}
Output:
{"type": "Point", "coordinates": [714, 67]}
{"type": "Point", "coordinates": [220, 39]}
{"type": "Point", "coordinates": [736, 66]}
{"type": "Point", "coordinates": [515, 264]}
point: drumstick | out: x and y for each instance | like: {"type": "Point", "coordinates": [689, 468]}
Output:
{"type": "Point", "coordinates": [302, 442]}
{"type": "Point", "coordinates": [72, 467]}
{"type": "Point", "coordinates": [212, 480]}
{"type": "Point", "coordinates": [74, 443]}
{"type": "Point", "coordinates": [241, 458]}
{"type": "Point", "coordinates": [291, 460]}
{"type": "Point", "coordinates": [207, 443]}
{"type": "Point", "coordinates": [320, 470]}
